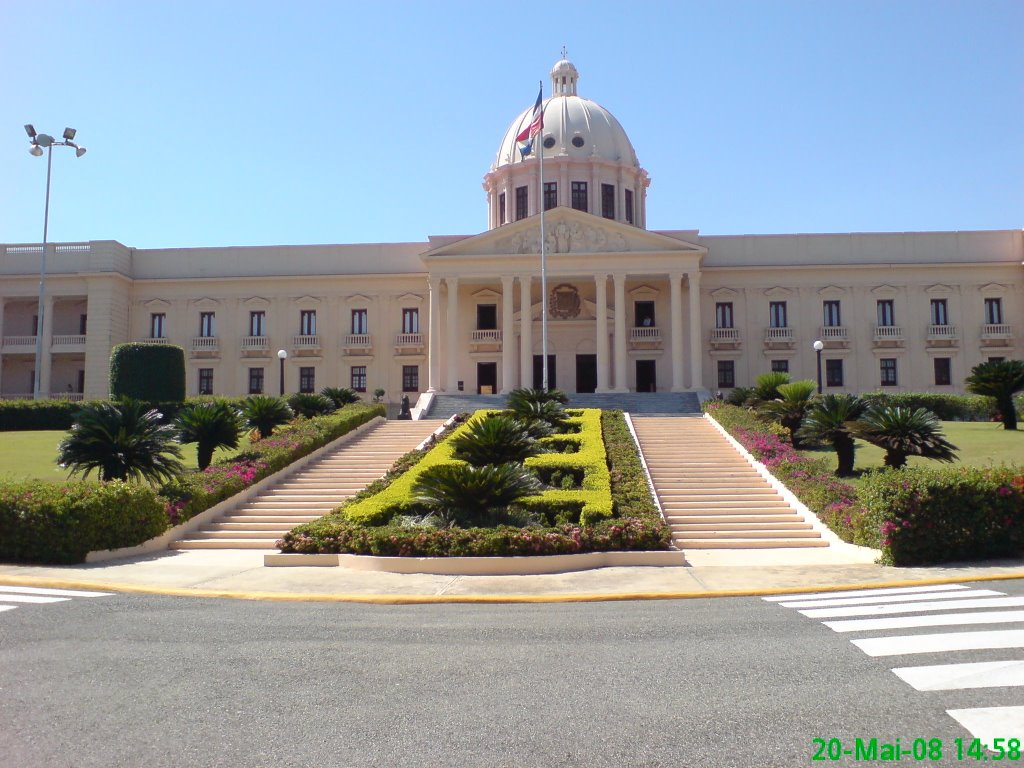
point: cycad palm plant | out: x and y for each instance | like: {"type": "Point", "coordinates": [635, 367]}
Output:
{"type": "Point", "coordinates": [463, 495]}
{"type": "Point", "coordinates": [766, 386]}
{"type": "Point", "coordinates": [904, 432]}
{"type": "Point", "coordinates": [999, 380]}
{"type": "Point", "coordinates": [210, 426]}
{"type": "Point", "coordinates": [263, 413]}
{"type": "Point", "coordinates": [790, 407]}
{"type": "Point", "coordinates": [518, 398]}
{"type": "Point", "coordinates": [495, 440]}
{"type": "Point", "coordinates": [310, 404]}
{"type": "Point", "coordinates": [340, 396]}
{"type": "Point", "coordinates": [830, 420]}
{"type": "Point", "coordinates": [121, 441]}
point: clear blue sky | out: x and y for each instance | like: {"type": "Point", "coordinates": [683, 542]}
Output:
{"type": "Point", "coordinates": [230, 123]}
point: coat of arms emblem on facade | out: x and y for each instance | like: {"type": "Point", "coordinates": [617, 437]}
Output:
{"type": "Point", "coordinates": [564, 301]}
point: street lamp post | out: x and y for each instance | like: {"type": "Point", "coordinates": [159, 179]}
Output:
{"type": "Point", "coordinates": [41, 141]}
{"type": "Point", "coordinates": [818, 346]}
{"type": "Point", "coordinates": [282, 355]}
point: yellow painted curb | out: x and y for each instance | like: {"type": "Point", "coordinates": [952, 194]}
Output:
{"type": "Point", "coordinates": [480, 599]}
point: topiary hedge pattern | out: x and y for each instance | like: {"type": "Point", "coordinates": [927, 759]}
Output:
{"type": "Point", "coordinates": [61, 523]}
{"type": "Point", "coordinates": [147, 372]}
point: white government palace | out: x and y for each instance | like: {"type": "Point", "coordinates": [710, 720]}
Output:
{"type": "Point", "coordinates": [629, 309]}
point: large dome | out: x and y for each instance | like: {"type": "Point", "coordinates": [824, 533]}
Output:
{"type": "Point", "coordinates": [573, 126]}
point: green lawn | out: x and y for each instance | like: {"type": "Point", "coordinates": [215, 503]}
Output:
{"type": "Point", "coordinates": [32, 455]}
{"type": "Point", "coordinates": [979, 444]}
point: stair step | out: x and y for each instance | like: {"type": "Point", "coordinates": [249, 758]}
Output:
{"type": "Point", "coordinates": [223, 544]}
{"type": "Point", "coordinates": [739, 518]}
{"type": "Point", "coordinates": [747, 534]}
{"type": "Point", "coordinates": [289, 520]}
{"type": "Point", "coordinates": [208, 534]}
{"type": "Point", "coordinates": [751, 526]}
{"type": "Point", "coordinates": [690, 543]}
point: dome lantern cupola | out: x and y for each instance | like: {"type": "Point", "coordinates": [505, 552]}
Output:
{"type": "Point", "coordinates": [564, 77]}
{"type": "Point", "coordinates": [589, 161]}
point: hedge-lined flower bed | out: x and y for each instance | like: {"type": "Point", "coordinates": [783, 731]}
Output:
{"type": "Point", "coordinates": [613, 484]}
{"type": "Point", "coordinates": [62, 523]}
{"type": "Point", "coordinates": [914, 515]}
{"type": "Point", "coordinates": [194, 492]}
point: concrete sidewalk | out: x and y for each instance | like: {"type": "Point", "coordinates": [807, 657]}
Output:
{"type": "Point", "coordinates": [241, 574]}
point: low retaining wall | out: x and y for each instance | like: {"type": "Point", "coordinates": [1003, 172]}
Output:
{"type": "Point", "coordinates": [481, 566]}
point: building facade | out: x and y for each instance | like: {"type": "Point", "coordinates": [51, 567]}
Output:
{"type": "Point", "coordinates": [628, 309]}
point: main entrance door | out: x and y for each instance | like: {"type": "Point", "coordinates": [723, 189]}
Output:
{"type": "Point", "coordinates": [486, 378]}
{"type": "Point", "coordinates": [586, 373]}
{"type": "Point", "coordinates": [646, 380]}
{"type": "Point", "coordinates": [538, 372]}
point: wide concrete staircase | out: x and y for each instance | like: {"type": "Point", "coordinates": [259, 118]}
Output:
{"type": "Point", "coordinates": [312, 491]}
{"type": "Point", "coordinates": [711, 496]}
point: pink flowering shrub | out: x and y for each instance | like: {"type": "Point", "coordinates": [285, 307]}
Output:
{"type": "Point", "coordinates": [832, 500]}
{"type": "Point", "coordinates": [920, 515]}
{"type": "Point", "coordinates": [194, 492]}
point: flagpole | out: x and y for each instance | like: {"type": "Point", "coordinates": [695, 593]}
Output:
{"type": "Point", "coordinates": [543, 261]}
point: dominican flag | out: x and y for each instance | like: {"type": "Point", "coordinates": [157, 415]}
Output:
{"type": "Point", "coordinates": [536, 125]}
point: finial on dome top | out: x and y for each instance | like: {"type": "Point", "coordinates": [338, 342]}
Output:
{"type": "Point", "coordinates": [564, 77]}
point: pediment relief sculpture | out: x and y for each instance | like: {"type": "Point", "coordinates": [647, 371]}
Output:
{"type": "Point", "coordinates": [565, 237]}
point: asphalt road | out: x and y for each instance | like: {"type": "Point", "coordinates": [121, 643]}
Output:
{"type": "Point", "coordinates": [126, 680]}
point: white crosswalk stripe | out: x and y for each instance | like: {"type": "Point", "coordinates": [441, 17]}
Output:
{"type": "Point", "coordinates": [12, 596]}
{"type": "Point", "coordinates": [894, 613]}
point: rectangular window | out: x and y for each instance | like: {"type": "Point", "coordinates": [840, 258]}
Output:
{"type": "Point", "coordinates": [993, 311]}
{"type": "Point", "coordinates": [35, 325]}
{"type": "Point", "coordinates": [255, 381]}
{"type": "Point", "coordinates": [357, 380]}
{"type": "Point", "coordinates": [207, 324]}
{"type": "Point", "coordinates": [307, 322]}
{"type": "Point", "coordinates": [777, 314]}
{"type": "Point", "coordinates": [258, 323]}
{"type": "Point", "coordinates": [886, 312]}
{"type": "Point", "coordinates": [579, 195]}
{"type": "Point", "coordinates": [80, 382]}
{"type": "Point", "coordinates": [501, 208]}
{"type": "Point", "coordinates": [629, 206]}
{"type": "Point", "coordinates": [943, 371]}
{"type": "Point", "coordinates": [410, 378]}
{"type": "Point", "coordinates": [486, 317]}
{"type": "Point", "coordinates": [940, 315]}
{"type": "Point", "coordinates": [727, 374]}
{"type": "Point", "coordinates": [831, 311]}
{"type": "Point", "coordinates": [991, 360]}
{"type": "Point", "coordinates": [608, 201]}
{"type": "Point", "coordinates": [888, 371]}
{"type": "Point", "coordinates": [550, 195]}
{"type": "Point", "coordinates": [360, 322]}
{"type": "Point", "coordinates": [780, 366]}
{"type": "Point", "coordinates": [522, 200]}
{"type": "Point", "coordinates": [411, 320]}
{"type": "Point", "coordinates": [83, 322]}
{"type": "Point", "coordinates": [833, 373]}
{"type": "Point", "coordinates": [307, 379]}
{"type": "Point", "coordinates": [723, 314]}
{"type": "Point", "coordinates": [206, 381]}
{"type": "Point", "coordinates": [643, 314]}
{"type": "Point", "coordinates": [156, 325]}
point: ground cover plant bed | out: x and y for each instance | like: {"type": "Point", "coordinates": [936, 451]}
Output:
{"type": "Point", "coordinates": [581, 514]}
{"type": "Point", "coordinates": [915, 515]}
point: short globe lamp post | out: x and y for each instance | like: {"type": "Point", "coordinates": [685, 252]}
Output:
{"type": "Point", "coordinates": [282, 355]}
{"type": "Point", "coordinates": [818, 346]}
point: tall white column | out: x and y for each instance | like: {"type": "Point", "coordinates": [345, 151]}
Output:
{"type": "Point", "coordinates": [696, 348]}
{"type": "Point", "coordinates": [434, 343]}
{"type": "Point", "coordinates": [452, 342]}
{"type": "Point", "coordinates": [525, 331]}
{"type": "Point", "coordinates": [676, 298]}
{"type": "Point", "coordinates": [508, 335]}
{"type": "Point", "coordinates": [620, 333]}
{"type": "Point", "coordinates": [601, 330]}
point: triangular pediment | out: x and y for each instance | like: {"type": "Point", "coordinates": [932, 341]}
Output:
{"type": "Point", "coordinates": [157, 304]}
{"type": "Point", "coordinates": [565, 231]}
{"type": "Point", "coordinates": [204, 302]}
{"type": "Point", "coordinates": [777, 292]}
{"type": "Point", "coordinates": [886, 291]}
{"type": "Point", "coordinates": [358, 298]}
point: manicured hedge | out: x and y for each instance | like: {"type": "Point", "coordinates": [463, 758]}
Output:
{"type": "Point", "coordinates": [32, 415]}
{"type": "Point", "coordinates": [946, 407]}
{"type": "Point", "coordinates": [150, 372]}
{"type": "Point", "coordinates": [621, 474]}
{"type": "Point", "coordinates": [194, 492]}
{"type": "Point", "coordinates": [61, 523]}
{"type": "Point", "coordinates": [920, 516]}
